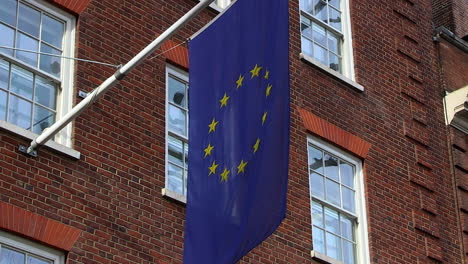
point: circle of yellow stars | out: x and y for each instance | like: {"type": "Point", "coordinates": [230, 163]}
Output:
{"type": "Point", "coordinates": [225, 172]}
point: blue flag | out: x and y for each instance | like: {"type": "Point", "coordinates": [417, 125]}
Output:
{"type": "Point", "coordinates": [238, 132]}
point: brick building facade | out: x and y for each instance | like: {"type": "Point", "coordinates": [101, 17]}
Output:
{"type": "Point", "coordinates": [387, 176]}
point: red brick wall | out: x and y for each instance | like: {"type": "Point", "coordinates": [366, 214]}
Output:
{"type": "Point", "coordinates": [112, 194]}
{"type": "Point", "coordinates": [454, 66]}
{"type": "Point", "coordinates": [452, 14]}
{"type": "Point", "coordinates": [460, 14]}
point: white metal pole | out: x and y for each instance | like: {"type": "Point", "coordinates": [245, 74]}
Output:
{"type": "Point", "coordinates": [118, 75]}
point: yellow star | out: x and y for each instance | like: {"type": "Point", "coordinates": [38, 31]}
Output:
{"type": "Point", "coordinates": [267, 75]}
{"type": "Point", "coordinates": [241, 167]}
{"type": "Point", "coordinates": [239, 81]}
{"type": "Point", "coordinates": [208, 150]}
{"type": "Point", "coordinates": [224, 100]}
{"type": "Point", "coordinates": [255, 71]}
{"type": "Point", "coordinates": [268, 89]}
{"type": "Point", "coordinates": [264, 117]}
{"type": "Point", "coordinates": [212, 126]}
{"type": "Point", "coordinates": [256, 145]}
{"type": "Point", "coordinates": [225, 174]}
{"type": "Point", "coordinates": [213, 168]}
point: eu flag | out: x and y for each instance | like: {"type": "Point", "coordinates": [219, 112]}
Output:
{"type": "Point", "coordinates": [238, 131]}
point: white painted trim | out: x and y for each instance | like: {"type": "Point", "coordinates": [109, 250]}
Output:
{"type": "Point", "coordinates": [62, 149]}
{"type": "Point", "coordinates": [324, 258]}
{"type": "Point", "coordinates": [31, 247]}
{"type": "Point", "coordinates": [328, 70]}
{"type": "Point", "coordinates": [173, 195]}
{"type": "Point", "coordinates": [347, 50]}
{"type": "Point", "coordinates": [362, 240]}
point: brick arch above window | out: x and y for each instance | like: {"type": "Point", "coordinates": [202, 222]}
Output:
{"type": "Point", "coordinates": [76, 6]}
{"type": "Point", "coordinates": [37, 227]}
{"type": "Point", "coordinates": [334, 134]}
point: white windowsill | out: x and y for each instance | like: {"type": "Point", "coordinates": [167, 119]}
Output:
{"type": "Point", "coordinates": [323, 258]}
{"type": "Point", "coordinates": [173, 195]}
{"type": "Point", "coordinates": [31, 136]}
{"type": "Point", "coordinates": [334, 73]}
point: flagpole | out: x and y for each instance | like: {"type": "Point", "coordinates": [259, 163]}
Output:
{"type": "Point", "coordinates": [50, 132]}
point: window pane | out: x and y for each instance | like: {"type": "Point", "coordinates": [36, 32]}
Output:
{"type": "Point", "coordinates": [332, 223]}
{"type": "Point", "coordinates": [317, 214]}
{"type": "Point", "coordinates": [177, 120]}
{"type": "Point", "coordinates": [177, 92]}
{"type": "Point", "coordinates": [347, 174]}
{"type": "Point", "coordinates": [331, 167]}
{"type": "Point", "coordinates": [52, 31]}
{"type": "Point", "coordinates": [333, 246]}
{"type": "Point", "coordinates": [43, 118]}
{"type": "Point", "coordinates": [333, 192]}
{"type": "Point", "coordinates": [320, 35]}
{"type": "Point", "coordinates": [334, 62]}
{"type": "Point", "coordinates": [334, 3]}
{"type": "Point", "coordinates": [306, 46]}
{"type": "Point", "coordinates": [8, 12]}
{"type": "Point", "coordinates": [320, 9]}
{"type": "Point", "coordinates": [174, 180]}
{"type": "Point", "coordinates": [8, 35]}
{"type": "Point", "coordinates": [27, 43]}
{"type": "Point", "coordinates": [348, 252]}
{"type": "Point", "coordinates": [321, 54]}
{"type": "Point", "coordinates": [186, 155]}
{"type": "Point", "coordinates": [45, 92]}
{"type": "Point", "coordinates": [174, 148]}
{"type": "Point", "coordinates": [4, 69]}
{"type": "Point", "coordinates": [19, 112]}
{"type": "Point", "coordinates": [319, 240]}
{"type": "Point", "coordinates": [335, 19]}
{"type": "Point", "coordinates": [333, 43]}
{"type": "Point", "coordinates": [3, 101]}
{"type": "Point", "coordinates": [50, 64]}
{"type": "Point", "coordinates": [29, 20]}
{"type": "Point", "coordinates": [315, 159]}
{"type": "Point", "coordinates": [305, 28]}
{"type": "Point", "coordinates": [21, 82]}
{"type": "Point", "coordinates": [346, 228]}
{"type": "Point", "coordinates": [8, 256]}
{"type": "Point", "coordinates": [316, 185]}
{"type": "Point", "coordinates": [307, 5]}
{"type": "Point", "coordinates": [33, 260]}
{"type": "Point", "coordinates": [348, 199]}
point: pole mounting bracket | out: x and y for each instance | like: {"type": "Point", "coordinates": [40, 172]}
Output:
{"type": "Point", "coordinates": [24, 149]}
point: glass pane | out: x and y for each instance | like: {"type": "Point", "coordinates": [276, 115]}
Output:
{"type": "Point", "coordinates": [307, 5]}
{"type": "Point", "coordinates": [316, 185]}
{"type": "Point", "coordinates": [29, 20]}
{"type": "Point", "coordinates": [8, 256]}
{"type": "Point", "coordinates": [8, 35]}
{"type": "Point", "coordinates": [306, 46]}
{"type": "Point", "coordinates": [347, 174]}
{"type": "Point", "coordinates": [305, 27]}
{"type": "Point", "coordinates": [348, 252]}
{"type": "Point", "coordinates": [335, 19]}
{"type": "Point", "coordinates": [348, 199]}
{"type": "Point", "coordinates": [52, 31]}
{"type": "Point", "coordinates": [27, 43]}
{"type": "Point", "coordinates": [331, 167]}
{"type": "Point", "coordinates": [334, 3]}
{"type": "Point", "coordinates": [346, 227]}
{"type": "Point", "coordinates": [174, 178]}
{"type": "Point", "coordinates": [50, 64]}
{"type": "Point", "coordinates": [43, 118]}
{"type": "Point", "coordinates": [333, 43]}
{"type": "Point", "coordinates": [315, 159]}
{"type": "Point", "coordinates": [334, 62]}
{"type": "Point", "coordinates": [3, 101]}
{"type": "Point", "coordinates": [45, 92]}
{"type": "Point", "coordinates": [320, 35]}
{"type": "Point", "coordinates": [320, 9]}
{"type": "Point", "coordinates": [332, 223]}
{"type": "Point", "coordinates": [333, 192]}
{"type": "Point", "coordinates": [19, 112]}
{"type": "Point", "coordinates": [319, 240]}
{"type": "Point", "coordinates": [333, 246]}
{"type": "Point", "coordinates": [317, 214]}
{"type": "Point", "coordinates": [174, 148]}
{"type": "Point", "coordinates": [186, 155]}
{"type": "Point", "coordinates": [4, 69]}
{"type": "Point", "coordinates": [177, 92]}
{"type": "Point", "coordinates": [177, 120]}
{"type": "Point", "coordinates": [21, 82]}
{"type": "Point", "coordinates": [321, 54]}
{"type": "Point", "coordinates": [8, 12]}
{"type": "Point", "coordinates": [33, 260]}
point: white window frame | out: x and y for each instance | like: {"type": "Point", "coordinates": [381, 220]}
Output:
{"type": "Point", "coordinates": [182, 75]}
{"type": "Point", "coordinates": [30, 247]}
{"type": "Point", "coordinates": [361, 231]}
{"type": "Point", "coordinates": [65, 91]}
{"type": "Point", "coordinates": [346, 45]}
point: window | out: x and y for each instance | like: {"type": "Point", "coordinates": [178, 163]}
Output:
{"type": "Point", "coordinates": [325, 34]}
{"type": "Point", "coordinates": [222, 3]}
{"type": "Point", "coordinates": [17, 250]}
{"type": "Point", "coordinates": [337, 204]}
{"type": "Point", "coordinates": [35, 82]}
{"type": "Point", "coordinates": [177, 131]}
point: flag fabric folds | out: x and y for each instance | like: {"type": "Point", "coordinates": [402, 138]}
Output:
{"type": "Point", "coordinates": [238, 132]}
